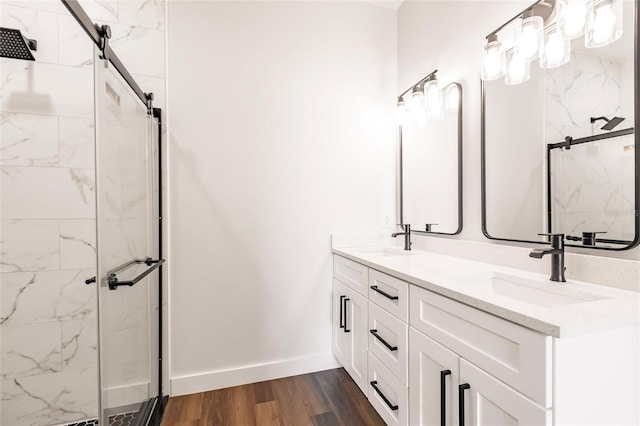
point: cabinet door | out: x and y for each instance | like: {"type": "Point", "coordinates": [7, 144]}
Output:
{"type": "Point", "coordinates": [338, 335]}
{"type": "Point", "coordinates": [488, 401]}
{"type": "Point", "coordinates": [432, 370]}
{"type": "Point", "coordinates": [356, 328]}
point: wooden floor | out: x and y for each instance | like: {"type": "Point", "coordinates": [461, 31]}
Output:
{"type": "Point", "coordinates": [324, 398]}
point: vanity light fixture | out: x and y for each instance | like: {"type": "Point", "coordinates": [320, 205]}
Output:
{"type": "Point", "coordinates": [494, 63]}
{"type": "Point", "coordinates": [545, 29]}
{"type": "Point", "coordinates": [425, 100]}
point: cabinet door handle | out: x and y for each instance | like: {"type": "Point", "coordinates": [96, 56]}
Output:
{"type": "Point", "coordinates": [443, 396]}
{"type": "Point", "coordinates": [461, 388]}
{"type": "Point", "coordinates": [345, 300]}
{"type": "Point", "coordinates": [384, 398]}
{"type": "Point", "coordinates": [341, 312]}
{"type": "Point", "coordinates": [384, 342]}
{"type": "Point", "coordinates": [385, 294]}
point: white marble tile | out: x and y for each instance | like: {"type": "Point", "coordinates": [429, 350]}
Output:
{"type": "Point", "coordinates": [30, 192]}
{"type": "Point", "coordinates": [29, 245]}
{"type": "Point", "coordinates": [142, 13]}
{"type": "Point", "coordinates": [75, 47]}
{"type": "Point", "coordinates": [39, 88]}
{"type": "Point", "coordinates": [77, 147]}
{"type": "Point", "coordinates": [50, 398]}
{"type": "Point", "coordinates": [142, 49]}
{"type": "Point", "coordinates": [28, 140]}
{"type": "Point", "coordinates": [34, 24]}
{"type": "Point", "coordinates": [30, 297]}
{"type": "Point", "coordinates": [79, 344]}
{"type": "Point", "coordinates": [101, 10]}
{"type": "Point", "coordinates": [77, 244]}
{"type": "Point", "coordinates": [29, 350]}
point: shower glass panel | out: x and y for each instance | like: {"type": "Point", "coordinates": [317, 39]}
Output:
{"type": "Point", "coordinates": [126, 231]}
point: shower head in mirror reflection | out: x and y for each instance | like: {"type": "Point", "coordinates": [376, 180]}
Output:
{"type": "Point", "coordinates": [427, 100]}
{"type": "Point", "coordinates": [544, 32]}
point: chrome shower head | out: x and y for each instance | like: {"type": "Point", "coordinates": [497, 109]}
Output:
{"type": "Point", "coordinates": [611, 123]}
{"type": "Point", "coordinates": [16, 46]}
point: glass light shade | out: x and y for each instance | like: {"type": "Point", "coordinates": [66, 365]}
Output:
{"type": "Point", "coordinates": [556, 50]}
{"type": "Point", "coordinates": [572, 17]}
{"type": "Point", "coordinates": [401, 111]}
{"type": "Point", "coordinates": [417, 106]}
{"type": "Point", "coordinates": [604, 25]}
{"type": "Point", "coordinates": [451, 98]}
{"type": "Point", "coordinates": [493, 67]}
{"type": "Point", "coordinates": [518, 68]}
{"type": "Point", "coordinates": [433, 99]}
{"type": "Point", "coordinates": [529, 36]}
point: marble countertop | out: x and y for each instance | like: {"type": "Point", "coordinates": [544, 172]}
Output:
{"type": "Point", "coordinates": [466, 281]}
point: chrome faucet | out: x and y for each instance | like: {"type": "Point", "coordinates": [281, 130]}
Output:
{"type": "Point", "coordinates": [407, 236]}
{"type": "Point", "coordinates": [557, 256]}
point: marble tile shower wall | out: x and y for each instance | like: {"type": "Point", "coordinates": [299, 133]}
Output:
{"type": "Point", "coordinates": [593, 186]}
{"type": "Point", "coordinates": [48, 336]}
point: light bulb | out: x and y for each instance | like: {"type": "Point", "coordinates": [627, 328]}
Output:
{"type": "Point", "coordinates": [493, 60]}
{"type": "Point", "coordinates": [517, 68]}
{"type": "Point", "coordinates": [573, 17]}
{"type": "Point", "coordinates": [401, 111]}
{"type": "Point", "coordinates": [605, 23]}
{"type": "Point", "coordinates": [433, 98]}
{"type": "Point", "coordinates": [557, 49]}
{"type": "Point", "coordinates": [417, 105]}
{"type": "Point", "coordinates": [529, 36]}
{"type": "Point", "coordinates": [452, 98]}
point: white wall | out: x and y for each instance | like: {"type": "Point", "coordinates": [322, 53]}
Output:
{"type": "Point", "coordinates": [450, 36]}
{"type": "Point", "coordinates": [281, 132]}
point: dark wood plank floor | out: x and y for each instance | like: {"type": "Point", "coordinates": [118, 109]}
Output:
{"type": "Point", "coordinates": [325, 398]}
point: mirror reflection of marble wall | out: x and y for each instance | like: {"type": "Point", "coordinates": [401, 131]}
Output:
{"type": "Point", "coordinates": [592, 185]}
{"type": "Point", "coordinates": [430, 172]}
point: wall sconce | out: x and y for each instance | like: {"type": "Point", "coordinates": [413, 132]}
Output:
{"type": "Point", "coordinates": [545, 30]}
{"type": "Point", "coordinates": [426, 100]}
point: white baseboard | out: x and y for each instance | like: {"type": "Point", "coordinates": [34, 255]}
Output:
{"type": "Point", "coordinates": [212, 380]}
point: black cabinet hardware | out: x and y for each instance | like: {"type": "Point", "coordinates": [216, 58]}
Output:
{"type": "Point", "coordinates": [443, 396]}
{"type": "Point", "coordinates": [385, 294]}
{"type": "Point", "coordinates": [384, 398]}
{"type": "Point", "coordinates": [341, 312]}
{"type": "Point", "coordinates": [345, 300]}
{"type": "Point", "coordinates": [384, 342]}
{"type": "Point", "coordinates": [461, 388]}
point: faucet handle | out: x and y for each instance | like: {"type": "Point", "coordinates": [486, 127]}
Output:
{"type": "Point", "coordinates": [427, 226]}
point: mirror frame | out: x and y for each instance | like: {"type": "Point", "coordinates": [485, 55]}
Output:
{"type": "Point", "coordinates": [400, 168]}
{"type": "Point", "coordinates": [636, 113]}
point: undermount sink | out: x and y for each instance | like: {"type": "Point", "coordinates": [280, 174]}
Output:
{"type": "Point", "coordinates": [544, 294]}
{"type": "Point", "coordinates": [386, 251]}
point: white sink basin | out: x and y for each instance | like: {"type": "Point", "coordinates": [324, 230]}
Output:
{"type": "Point", "coordinates": [544, 294]}
{"type": "Point", "coordinates": [385, 251]}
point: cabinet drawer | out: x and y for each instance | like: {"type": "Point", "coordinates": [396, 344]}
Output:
{"type": "Point", "coordinates": [395, 410]}
{"type": "Point", "coordinates": [514, 354]}
{"type": "Point", "coordinates": [351, 273]}
{"type": "Point", "coordinates": [390, 293]}
{"type": "Point", "coordinates": [389, 344]}
{"type": "Point", "coordinates": [488, 401]}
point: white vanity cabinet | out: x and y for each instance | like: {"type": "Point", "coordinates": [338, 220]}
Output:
{"type": "Point", "coordinates": [434, 360]}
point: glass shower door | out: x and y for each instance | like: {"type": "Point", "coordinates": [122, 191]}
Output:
{"type": "Point", "coordinates": [126, 237]}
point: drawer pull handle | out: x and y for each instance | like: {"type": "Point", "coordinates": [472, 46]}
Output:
{"type": "Point", "coordinates": [384, 398]}
{"type": "Point", "coordinates": [384, 293]}
{"type": "Point", "coordinates": [443, 396]}
{"type": "Point", "coordinates": [461, 389]}
{"type": "Point", "coordinates": [341, 312]}
{"type": "Point", "coordinates": [345, 300]}
{"type": "Point", "coordinates": [384, 342]}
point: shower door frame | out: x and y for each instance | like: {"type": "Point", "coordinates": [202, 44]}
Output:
{"type": "Point", "coordinates": [151, 411]}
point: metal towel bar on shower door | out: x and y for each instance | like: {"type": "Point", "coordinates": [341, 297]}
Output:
{"type": "Point", "coordinates": [112, 278]}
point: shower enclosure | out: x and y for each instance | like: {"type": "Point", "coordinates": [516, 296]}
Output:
{"type": "Point", "coordinates": [80, 236]}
